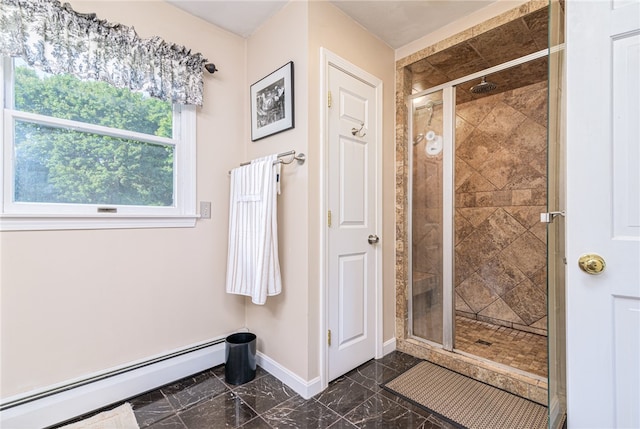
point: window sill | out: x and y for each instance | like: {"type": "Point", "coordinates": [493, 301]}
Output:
{"type": "Point", "coordinates": [47, 222]}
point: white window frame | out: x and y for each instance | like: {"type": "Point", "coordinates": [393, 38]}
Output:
{"type": "Point", "coordinates": [15, 216]}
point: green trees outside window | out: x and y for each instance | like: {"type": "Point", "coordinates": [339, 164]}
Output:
{"type": "Point", "coordinates": [57, 162]}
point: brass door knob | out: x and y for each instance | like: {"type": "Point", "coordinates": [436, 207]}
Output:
{"type": "Point", "coordinates": [591, 263]}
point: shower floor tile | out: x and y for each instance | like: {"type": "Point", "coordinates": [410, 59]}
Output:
{"type": "Point", "coordinates": [517, 349]}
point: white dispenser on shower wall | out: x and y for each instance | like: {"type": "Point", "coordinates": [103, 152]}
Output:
{"type": "Point", "coordinates": [434, 144]}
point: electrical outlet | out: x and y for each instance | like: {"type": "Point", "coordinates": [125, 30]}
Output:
{"type": "Point", "coordinates": [205, 209]}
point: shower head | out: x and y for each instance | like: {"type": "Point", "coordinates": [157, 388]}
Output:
{"type": "Point", "coordinates": [483, 87]}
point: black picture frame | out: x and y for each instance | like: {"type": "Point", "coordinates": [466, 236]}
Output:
{"type": "Point", "coordinates": [272, 109]}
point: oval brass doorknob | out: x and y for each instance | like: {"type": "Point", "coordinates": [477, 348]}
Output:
{"type": "Point", "coordinates": [591, 263]}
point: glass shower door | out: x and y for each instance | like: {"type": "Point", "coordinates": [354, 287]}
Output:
{"type": "Point", "coordinates": [426, 158]}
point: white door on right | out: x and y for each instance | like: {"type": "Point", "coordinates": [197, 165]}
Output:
{"type": "Point", "coordinates": [603, 213]}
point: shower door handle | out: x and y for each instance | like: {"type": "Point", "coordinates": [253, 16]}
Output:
{"type": "Point", "coordinates": [373, 239]}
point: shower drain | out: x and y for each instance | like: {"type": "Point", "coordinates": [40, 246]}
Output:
{"type": "Point", "coordinates": [483, 342]}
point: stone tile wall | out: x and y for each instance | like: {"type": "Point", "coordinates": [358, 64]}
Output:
{"type": "Point", "coordinates": [501, 186]}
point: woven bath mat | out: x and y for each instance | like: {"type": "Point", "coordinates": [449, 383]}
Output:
{"type": "Point", "coordinates": [118, 418]}
{"type": "Point", "coordinates": [467, 402]}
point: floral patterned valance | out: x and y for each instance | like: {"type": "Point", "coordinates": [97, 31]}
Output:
{"type": "Point", "coordinates": [57, 39]}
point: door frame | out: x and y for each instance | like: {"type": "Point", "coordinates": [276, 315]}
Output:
{"type": "Point", "coordinates": [330, 59]}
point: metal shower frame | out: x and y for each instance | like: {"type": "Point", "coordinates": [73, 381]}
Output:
{"type": "Point", "coordinates": [448, 101]}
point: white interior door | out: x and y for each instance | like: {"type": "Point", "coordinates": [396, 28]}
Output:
{"type": "Point", "coordinates": [603, 213]}
{"type": "Point", "coordinates": [352, 201]}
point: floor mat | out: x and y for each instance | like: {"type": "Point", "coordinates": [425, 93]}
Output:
{"type": "Point", "coordinates": [118, 418]}
{"type": "Point", "coordinates": [467, 402]}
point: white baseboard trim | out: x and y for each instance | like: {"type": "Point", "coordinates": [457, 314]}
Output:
{"type": "Point", "coordinates": [388, 346]}
{"type": "Point", "coordinates": [306, 389]}
{"type": "Point", "coordinates": [76, 401]}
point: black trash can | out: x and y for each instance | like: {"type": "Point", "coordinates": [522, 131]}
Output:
{"type": "Point", "coordinates": [240, 358]}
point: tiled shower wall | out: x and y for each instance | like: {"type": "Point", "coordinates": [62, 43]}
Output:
{"type": "Point", "coordinates": [427, 200]}
{"type": "Point", "coordinates": [500, 191]}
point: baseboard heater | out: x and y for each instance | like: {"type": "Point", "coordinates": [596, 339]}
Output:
{"type": "Point", "coordinates": [59, 403]}
{"type": "Point", "coordinates": [106, 375]}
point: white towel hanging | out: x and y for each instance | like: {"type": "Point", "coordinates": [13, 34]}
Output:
{"type": "Point", "coordinates": [253, 267]}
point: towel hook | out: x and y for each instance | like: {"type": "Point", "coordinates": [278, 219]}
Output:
{"type": "Point", "coordinates": [359, 133]}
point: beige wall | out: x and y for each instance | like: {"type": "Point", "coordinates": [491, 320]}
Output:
{"type": "Point", "coordinates": [281, 325]}
{"type": "Point", "coordinates": [77, 302]}
{"type": "Point", "coordinates": [288, 325]}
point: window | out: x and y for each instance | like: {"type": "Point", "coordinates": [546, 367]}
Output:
{"type": "Point", "coordinates": [84, 154]}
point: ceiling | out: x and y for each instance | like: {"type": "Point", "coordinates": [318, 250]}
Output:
{"type": "Point", "coordinates": [396, 22]}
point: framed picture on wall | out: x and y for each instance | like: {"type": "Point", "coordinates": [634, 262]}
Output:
{"type": "Point", "coordinates": [272, 103]}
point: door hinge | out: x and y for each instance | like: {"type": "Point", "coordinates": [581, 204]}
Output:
{"type": "Point", "coordinates": [329, 337]}
{"type": "Point", "coordinates": [329, 218]}
{"type": "Point", "coordinates": [329, 99]}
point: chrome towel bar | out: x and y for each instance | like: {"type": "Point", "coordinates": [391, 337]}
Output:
{"type": "Point", "coordinates": [301, 158]}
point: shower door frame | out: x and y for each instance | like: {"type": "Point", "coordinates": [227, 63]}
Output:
{"type": "Point", "coordinates": [448, 180]}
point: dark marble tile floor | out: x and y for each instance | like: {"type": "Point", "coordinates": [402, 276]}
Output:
{"type": "Point", "coordinates": [354, 400]}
